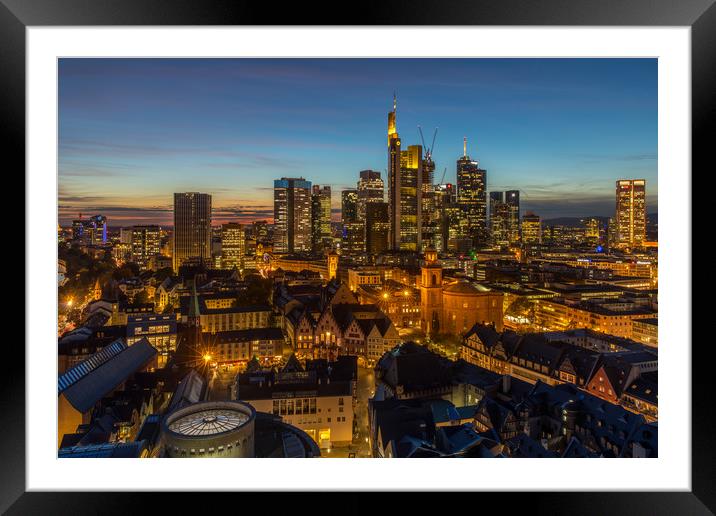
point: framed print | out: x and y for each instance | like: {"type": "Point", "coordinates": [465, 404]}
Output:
{"type": "Point", "coordinates": [333, 250]}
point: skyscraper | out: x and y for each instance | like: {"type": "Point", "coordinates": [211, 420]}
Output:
{"type": "Point", "coordinates": [292, 215]}
{"type": "Point", "coordinates": [404, 190]}
{"type": "Point", "coordinates": [472, 196]}
{"type": "Point", "coordinates": [353, 227]}
{"type": "Point", "coordinates": [631, 212]}
{"type": "Point", "coordinates": [192, 228]}
{"type": "Point", "coordinates": [531, 229]}
{"type": "Point", "coordinates": [321, 218]}
{"type": "Point", "coordinates": [429, 223]}
{"type": "Point", "coordinates": [145, 244]}
{"type": "Point", "coordinates": [393, 178]}
{"type": "Point", "coordinates": [410, 199]}
{"type": "Point", "coordinates": [233, 246]}
{"type": "Point", "coordinates": [512, 199]}
{"type": "Point", "coordinates": [376, 220]}
{"type": "Point", "coordinates": [92, 231]}
{"type": "Point", "coordinates": [370, 189]}
{"type": "Point", "coordinates": [443, 202]}
{"type": "Point", "coordinates": [499, 217]}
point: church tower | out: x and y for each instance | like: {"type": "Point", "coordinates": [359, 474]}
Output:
{"type": "Point", "coordinates": [97, 291]}
{"type": "Point", "coordinates": [332, 264]}
{"type": "Point", "coordinates": [431, 292]}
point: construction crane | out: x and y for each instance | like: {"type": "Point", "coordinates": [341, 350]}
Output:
{"type": "Point", "coordinates": [443, 178]}
{"type": "Point", "coordinates": [428, 150]}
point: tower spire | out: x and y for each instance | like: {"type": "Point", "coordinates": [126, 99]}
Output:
{"type": "Point", "coordinates": [395, 102]}
{"type": "Point", "coordinates": [464, 147]}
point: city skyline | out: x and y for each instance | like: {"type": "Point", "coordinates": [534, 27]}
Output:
{"type": "Point", "coordinates": [230, 127]}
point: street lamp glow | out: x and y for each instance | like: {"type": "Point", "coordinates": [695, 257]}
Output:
{"type": "Point", "coordinates": [207, 357]}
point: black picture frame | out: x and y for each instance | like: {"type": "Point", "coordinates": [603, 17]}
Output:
{"type": "Point", "coordinates": [700, 15]}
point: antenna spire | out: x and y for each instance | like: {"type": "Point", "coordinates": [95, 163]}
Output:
{"type": "Point", "coordinates": [464, 147]}
{"type": "Point", "coordinates": [395, 101]}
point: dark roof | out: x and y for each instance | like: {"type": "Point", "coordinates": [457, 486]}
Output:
{"type": "Point", "coordinates": [151, 429]}
{"type": "Point", "coordinates": [191, 389]}
{"type": "Point", "coordinates": [523, 445]}
{"type": "Point", "coordinates": [79, 371]}
{"type": "Point", "coordinates": [84, 385]}
{"type": "Point", "coordinates": [485, 332]}
{"type": "Point", "coordinates": [647, 436]}
{"type": "Point", "coordinates": [399, 418]}
{"type": "Point", "coordinates": [130, 450]}
{"type": "Point", "coordinates": [645, 389]}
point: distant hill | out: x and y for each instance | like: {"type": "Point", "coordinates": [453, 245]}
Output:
{"type": "Point", "coordinates": [571, 221]}
{"type": "Point", "coordinates": [577, 221]}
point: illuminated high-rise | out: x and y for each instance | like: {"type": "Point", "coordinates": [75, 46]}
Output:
{"type": "Point", "coordinates": [499, 217]}
{"type": "Point", "coordinates": [353, 241]}
{"type": "Point", "coordinates": [429, 226]}
{"type": "Point", "coordinates": [405, 174]}
{"type": "Point", "coordinates": [393, 178]}
{"type": "Point", "coordinates": [321, 218]}
{"type": "Point", "coordinates": [233, 246]}
{"type": "Point", "coordinates": [146, 243]}
{"type": "Point", "coordinates": [192, 228]}
{"type": "Point", "coordinates": [472, 196]}
{"type": "Point", "coordinates": [531, 229]}
{"type": "Point", "coordinates": [410, 199]}
{"type": "Point", "coordinates": [630, 212]}
{"type": "Point", "coordinates": [92, 231]}
{"type": "Point", "coordinates": [292, 215]}
{"type": "Point", "coordinates": [512, 199]}
{"type": "Point", "coordinates": [370, 189]}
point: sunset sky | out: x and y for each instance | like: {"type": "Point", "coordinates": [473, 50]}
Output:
{"type": "Point", "coordinates": [133, 131]}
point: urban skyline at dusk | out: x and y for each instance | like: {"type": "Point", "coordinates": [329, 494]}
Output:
{"type": "Point", "coordinates": [489, 290]}
{"type": "Point", "coordinates": [132, 131]}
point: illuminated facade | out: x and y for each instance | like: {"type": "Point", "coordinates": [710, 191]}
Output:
{"type": "Point", "coordinates": [404, 190]}
{"type": "Point", "coordinates": [472, 196]}
{"type": "Point", "coordinates": [233, 246]}
{"type": "Point", "coordinates": [353, 239]}
{"type": "Point", "coordinates": [145, 244]}
{"type": "Point", "coordinates": [321, 218]}
{"type": "Point", "coordinates": [512, 199]}
{"type": "Point", "coordinates": [631, 213]}
{"type": "Point", "coordinates": [192, 228]}
{"type": "Point", "coordinates": [531, 229]}
{"type": "Point", "coordinates": [92, 231]}
{"type": "Point", "coordinates": [292, 215]}
{"type": "Point", "coordinates": [431, 285]}
{"type": "Point", "coordinates": [370, 190]}
{"type": "Point", "coordinates": [499, 214]}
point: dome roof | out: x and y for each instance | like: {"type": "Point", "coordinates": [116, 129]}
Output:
{"type": "Point", "coordinates": [466, 288]}
{"type": "Point", "coordinates": [208, 422]}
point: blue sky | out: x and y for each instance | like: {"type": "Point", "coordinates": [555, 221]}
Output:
{"type": "Point", "coordinates": [133, 131]}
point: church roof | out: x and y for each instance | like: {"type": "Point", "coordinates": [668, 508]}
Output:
{"type": "Point", "coordinates": [467, 288]}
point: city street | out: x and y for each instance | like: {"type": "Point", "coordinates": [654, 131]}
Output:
{"type": "Point", "coordinates": [220, 384]}
{"type": "Point", "coordinates": [360, 447]}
